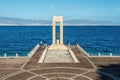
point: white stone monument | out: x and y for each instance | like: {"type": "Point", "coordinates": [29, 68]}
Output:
{"type": "Point", "coordinates": [57, 44]}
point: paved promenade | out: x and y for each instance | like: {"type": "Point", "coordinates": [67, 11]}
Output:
{"type": "Point", "coordinates": [88, 68]}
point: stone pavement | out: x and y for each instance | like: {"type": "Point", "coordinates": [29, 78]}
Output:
{"type": "Point", "coordinates": [58, 56]}
{"type": "Point", "coordinates": [85, 70]}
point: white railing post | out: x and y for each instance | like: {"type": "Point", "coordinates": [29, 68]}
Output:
{"type": "Point", "coordinates": [28, 55]}
{"type": "Point", "coordinates": [99, 54]}
{"type": "Point", "coordinates": [110, 54]}
{"type": "Point", "coordinates": [68, 44]}
{"type": "Point", "coordinates": [16, 55]}
{"type": "Point", "coordinates": [5, 55]}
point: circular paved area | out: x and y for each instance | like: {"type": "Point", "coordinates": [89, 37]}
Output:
{"type": "Point", "coordinates": [85, 70]}
{"type": "Point", "coordinates": [58, 73]}
{"type": "Point", "coordinates": [59, 78]}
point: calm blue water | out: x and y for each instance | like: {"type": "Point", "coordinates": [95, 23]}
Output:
{"type": "Point", "coordinates": [94, 39]}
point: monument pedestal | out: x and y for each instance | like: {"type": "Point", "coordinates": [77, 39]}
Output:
{"type": "Point", "coordinates": [57, 47]}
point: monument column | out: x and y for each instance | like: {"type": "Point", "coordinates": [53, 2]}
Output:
{"type": "Point", "coordinates": [61, 33]}
{"type": "Point", "coordinates": [54, 33]}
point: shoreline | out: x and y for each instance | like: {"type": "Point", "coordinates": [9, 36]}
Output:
{"type": "Point", "coordinates": [49, 25]}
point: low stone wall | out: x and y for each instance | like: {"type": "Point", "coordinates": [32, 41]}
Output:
{"type": "Point", "coordinates": [17, 56]}
{"type": "Point", "coordinates": [99, 54]}
{"type": "Point", "coordinates": [33, 50]}
{"type": "Point", "coordinates": [81, 49]}
{"type": "Point", "coordinates": [41, 60]}
{"type": "Point", "coordinates": [73, 56]}
{"type": "Point", "coordinates": [103, 56]}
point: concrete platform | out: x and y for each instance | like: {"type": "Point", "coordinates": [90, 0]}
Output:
{"type": "Point", "coordinates": [58, 56]}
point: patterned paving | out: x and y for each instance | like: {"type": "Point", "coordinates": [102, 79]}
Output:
{"type": "Point", "coordinates": [85, 70]}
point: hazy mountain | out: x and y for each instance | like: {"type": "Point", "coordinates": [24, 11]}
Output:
{"type": "Point", "coordinates": [17, 21]}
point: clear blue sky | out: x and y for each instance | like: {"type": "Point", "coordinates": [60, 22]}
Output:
{"type": "Point", "coordinates": [69, 9]}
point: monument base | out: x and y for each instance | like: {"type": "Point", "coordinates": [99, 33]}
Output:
{"type": "Point", "coordinates": [57, 47]}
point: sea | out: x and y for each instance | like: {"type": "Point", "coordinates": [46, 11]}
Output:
{"type": "Point", "coordinates": [93, 39]}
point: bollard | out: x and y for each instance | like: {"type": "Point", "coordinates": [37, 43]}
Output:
{"type": "Point", "coordinates": [28, 54]}
{"type": "Point", "coordinates": [68, 44]}
{"type": "Point", "coordinates": [110, 54]}
{"type": "Point", "coordinates": [5, 55]}
{"type": "Point", "coordinates": [16, 55]}
{"type": "Point", "coordinates": [99, 54]}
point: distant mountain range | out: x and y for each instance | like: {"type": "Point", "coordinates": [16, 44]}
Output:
{"type": "Point", "coordinates": [4, 21]}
